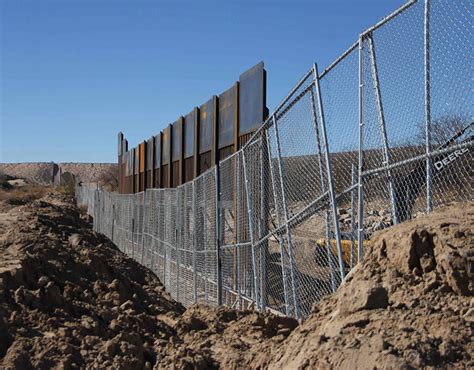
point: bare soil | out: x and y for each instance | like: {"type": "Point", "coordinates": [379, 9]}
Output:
{"type": "Point", "coordinates": [69, 299]}
{"type": "Point", "coordinates": [408, 305]}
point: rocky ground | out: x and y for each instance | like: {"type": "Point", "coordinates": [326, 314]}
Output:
{"type": "Point", "coordinates": [70, 299]}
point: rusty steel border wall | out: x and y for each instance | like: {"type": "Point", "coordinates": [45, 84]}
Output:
{"type": "Point", "coordinates": [198, 140]}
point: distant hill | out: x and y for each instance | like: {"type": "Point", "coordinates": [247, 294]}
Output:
{"type": "Point", "coordinates": [49, 173]}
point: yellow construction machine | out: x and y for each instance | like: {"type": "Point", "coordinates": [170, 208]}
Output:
{"type": "Point", "coordinates": [346, 244]}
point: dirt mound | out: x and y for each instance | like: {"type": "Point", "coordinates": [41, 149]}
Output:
{"type": "Point", "coordinates": [408, 305]}
{"type": "Point", "coordinates": [70, 299]}
{"type": "Point", "coordinates": [219, 337]}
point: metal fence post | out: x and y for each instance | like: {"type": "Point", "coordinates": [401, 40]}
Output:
{"type": "Point", "coordinates": [132, 225]}
{"type": "Point", "coordinates": [263, 226]}
{"type": "Point", "coordinates": [123, 223]}
{"type": "Point", "coordinates": [143, 228]}
{"type": "Point", "coordinates": [177, 238]}
{"type": "Point", "coordinates": [251, 226]}
{"type": "Point", "coordinates": [194, 243]}
{"type": "Point", "coordinates": [360, 193]}
{"type": "Point", "coordinates": [287, 217]}
{"type": "Point", "coordinates": [152, 232]}
{"type": "Point", "coordinates": [429, 202]}
{"type": "Point", "coordinates": [163, 237]}
{"type": "Point", "coordinates": [329, 251]}
{"type": "Point", "coordinates": [96, 211]}
{"type": "Point", "coordinates": [280, 242]}
{"type": "Point", "coordinates": [323, 183]}
{"type": "Point", "coordinates": [113, 223]}
{"type": "Point", "coordinates": [218, 235]}
{"type": "Point", "coordinates": [238, 231]}
{"type": "Point", "coordinates": [133, 228]}
{"type": "Point", "coordinates": [383, 130]}
{"type": "Point", "coordinates": [329, 174]}
{"type": "Point", "coordinates": [353, 182]}
{"type": "Point", "coordinates": [206, 236]}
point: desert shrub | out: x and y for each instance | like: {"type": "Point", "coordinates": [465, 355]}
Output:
{"type": "Point", "coordinates": [66, 189]}
{"type": "Point", "coordinates": [442, 129]}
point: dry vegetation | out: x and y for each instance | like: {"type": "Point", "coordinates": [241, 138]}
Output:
{"type": "Point", "coordinates": [17, 192]}
{"type": "Point", "coordinates": [16, 196]}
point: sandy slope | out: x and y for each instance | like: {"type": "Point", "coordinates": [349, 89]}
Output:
{"type": "Point", "coordinates": [408, 305]}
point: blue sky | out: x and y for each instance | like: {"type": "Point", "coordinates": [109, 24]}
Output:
{"type": "Point", "coordinates": [74, 73]}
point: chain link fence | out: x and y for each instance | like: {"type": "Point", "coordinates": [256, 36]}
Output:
{"type": "Point", "coordinates": [382, 135]}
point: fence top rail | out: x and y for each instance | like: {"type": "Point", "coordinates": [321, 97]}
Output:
{"type": "Point", "coordinates": [392, 15]}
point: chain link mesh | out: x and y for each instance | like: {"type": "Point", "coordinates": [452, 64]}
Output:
{"type": "Point", "coordinates": [371, 141]}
